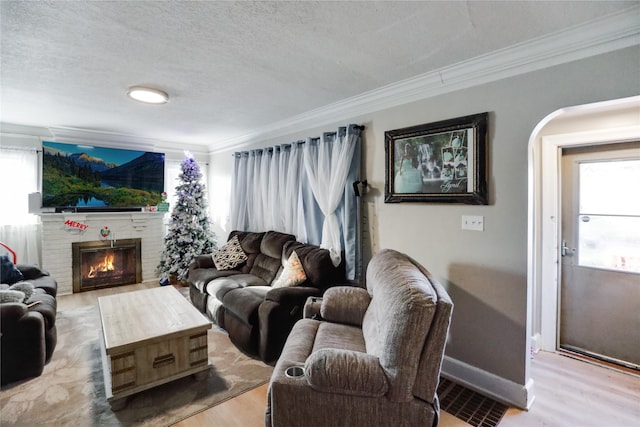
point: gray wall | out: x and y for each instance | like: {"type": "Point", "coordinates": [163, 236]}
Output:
{"type": "Point", "coordinates": [485, 272]}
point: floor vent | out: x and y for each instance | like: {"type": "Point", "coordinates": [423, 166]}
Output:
{"type": "Point", "coordinates": [469, 406]}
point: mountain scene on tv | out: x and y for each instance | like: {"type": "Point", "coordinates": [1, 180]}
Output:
{"type": "Point", "coordinates": [87, 176]}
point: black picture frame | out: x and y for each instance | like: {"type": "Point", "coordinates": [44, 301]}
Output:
{"type": "Point", "coordinates": [439, 162]}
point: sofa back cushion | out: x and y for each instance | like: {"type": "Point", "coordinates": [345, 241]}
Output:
{"type": "Point", "coordinates": [317, 264]}
{"type": "Point", "coordinates": [250, 243]}
{"type": "Point", "coordinates": [397, 321]}
{"type": "Point", "coordinates": [267, 262]}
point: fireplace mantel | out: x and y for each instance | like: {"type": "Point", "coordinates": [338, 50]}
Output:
{"type": "Point", "coordinates": [60, 230]}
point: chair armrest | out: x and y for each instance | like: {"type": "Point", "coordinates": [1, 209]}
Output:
{"type": "Point", "coordinates": [24, 349]}
{"type": "Point", "coordinates": [197, 263]}
{"type": "Point", "coordinates": [346, 372]}
{"type": "Point", "coordinates": [16, 320]}
{"type": "Point", "coordinates": [345, 304]}
{"type": "Point", "coordinates": [202, 261]}
{"type": "Point", "coordinates": [12, 310]}
{"type": "Point", "coordinates": [280, 310]}
{"type": "Point", "coordinates": [292, 294]}
{"type": "Point", "coordinates": [311, 309]}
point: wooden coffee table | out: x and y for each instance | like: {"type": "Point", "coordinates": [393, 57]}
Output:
{"type": "Point", "coordinates": [150, 337]}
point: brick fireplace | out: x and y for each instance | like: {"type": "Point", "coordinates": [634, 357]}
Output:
{"type": "Point", "coordinates": [61, 230]}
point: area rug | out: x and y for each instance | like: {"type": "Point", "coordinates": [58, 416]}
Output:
{"type": "Point", "coordinates": [71, 389]}
{"type": "Point", "coordinates": [469, 406]}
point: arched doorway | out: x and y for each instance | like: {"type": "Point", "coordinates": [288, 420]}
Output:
{"type": "Point", "coordinates": [609, 122]}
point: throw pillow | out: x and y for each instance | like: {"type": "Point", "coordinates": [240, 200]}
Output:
{"type": "Point", "coordinates": [9, 273]}
{"type": "Point", "coordinates": [24, 287]}
{"type": "Point", "coordinates": [230, 255]}
{"type": "Point", "coordinates": [9, 295]}
{"type": "Point", "coordinates": [293, 273]}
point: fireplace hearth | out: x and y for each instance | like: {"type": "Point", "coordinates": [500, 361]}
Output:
{"type": "Point", "coordinates": [108, 263]}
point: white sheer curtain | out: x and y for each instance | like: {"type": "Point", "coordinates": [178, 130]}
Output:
{"type": "Point", "coordinates": [291, 196]}
{"type": "Point", "coordinates": [19, 172]}
{"type": "Point", "coordinates": [299, 188]}
{"type": "Point", "coordinates": [239, 180]}
{"type": "Point", "coordinates": [327, 164]}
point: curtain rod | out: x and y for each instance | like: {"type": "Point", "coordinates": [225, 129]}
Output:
{"type": "Point", "coordinates": [35, 150]}
{"type": "Point", "coordinates": [299, 142]}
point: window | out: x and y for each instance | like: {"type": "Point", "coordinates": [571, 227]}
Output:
{"type": "Point", "coordinates": [609, 216]}
{"type": "Point", "coordinates": [19, 172]}
{"type": "Point", "coordinates": [19, 177]}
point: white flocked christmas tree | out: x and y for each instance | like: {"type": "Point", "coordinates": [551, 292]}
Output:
{"type": "Point", "coordinates": [189, 232]}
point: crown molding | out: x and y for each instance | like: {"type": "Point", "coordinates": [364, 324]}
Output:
{"type": "Point", "coordinates": [118, 140]}
{"type": "Point", "coordinates": [24, 130]}
{"type": "Point", "coordinates": [108, 139]}
{"type": "Point", "coordinates": [607, 34]}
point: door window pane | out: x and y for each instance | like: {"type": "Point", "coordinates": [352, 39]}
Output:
{"type": "Point", "coordinates": [611, 242]}
{"type": "Point", "coordinates": [610, 187]}
{"type": "Point", "coordinates": [609, 217]}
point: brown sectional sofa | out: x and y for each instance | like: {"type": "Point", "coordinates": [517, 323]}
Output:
{"type": "Point", "coordinates": [28, 330]}
{"type": "Point", "coordinates": [258, 317]}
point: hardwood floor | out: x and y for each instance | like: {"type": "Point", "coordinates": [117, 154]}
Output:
{"type": "Point", "coordinates": [568, 392]}
{"type": "Point", "coordinates": [244, 410]}
{"type": "Point", "coordinates": [68, 302]}
{"type": "Point", "coordinates": [572, 392]}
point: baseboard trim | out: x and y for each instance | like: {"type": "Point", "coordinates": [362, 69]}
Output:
{"type": "Point", "coordinates": [491, 385]}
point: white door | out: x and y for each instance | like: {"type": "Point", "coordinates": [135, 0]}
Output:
{"type": "Point", "coordinates": [600, 254]}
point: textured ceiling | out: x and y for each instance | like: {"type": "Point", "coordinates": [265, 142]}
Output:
{"type": "Point", "coordinates": [233, 67]}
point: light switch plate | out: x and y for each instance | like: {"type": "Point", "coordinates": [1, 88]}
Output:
{"type": "Point", "coordinates": [473, 222]}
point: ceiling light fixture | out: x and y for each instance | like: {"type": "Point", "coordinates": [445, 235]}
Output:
{"type": "Point", "coordinates": [148, 95]}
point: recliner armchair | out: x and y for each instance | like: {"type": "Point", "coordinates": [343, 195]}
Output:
{"type": "Point", "coordinates": [28, 330]}
{"type": "Point", "coordinates": [374, 356]}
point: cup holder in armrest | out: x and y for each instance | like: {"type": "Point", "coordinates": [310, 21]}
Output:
{"type": "Point", "coordinates": [294, 371]}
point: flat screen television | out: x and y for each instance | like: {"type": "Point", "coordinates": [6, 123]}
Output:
{"type": "Point", "coordinates": [87, 178]}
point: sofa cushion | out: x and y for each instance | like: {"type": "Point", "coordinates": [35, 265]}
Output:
{"type": "Point", "coordinates": [200, 277]}
{"type": "Point", "coordinates": [31, 271]}
{"type": "Point", "coordinates": [9, 273]}
{"type": "Point", "coordinates": [230, 255]}
{"type": "Point", "coordinates": [273, 242]}
{"type": "Point", "coordinates": [243, 303]}
{"type": "Point", "coordinates": [267, 263]}
{"type": "Point", "coordinates": [250, 242]}
{"type": "Point", "coordinates": [266, 268]}
{"type": "Point", "coordinates": [336, 335]}
{"type": "Point", "coordinates": [45, 283]}
{"type": "Point", "coordinates": [292, 273]}
{"type": "Point", "coordinates": [345, 304]}
{"type": "Point", "coordinates": [220, 286]}
{"type": "Point", "coordinates": [320, 271]}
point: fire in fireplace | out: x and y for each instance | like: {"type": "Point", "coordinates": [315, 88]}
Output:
{"type": "Point", "coordinates": [102, 268]}
{"type": "Point", "coordinates": [101, 264]}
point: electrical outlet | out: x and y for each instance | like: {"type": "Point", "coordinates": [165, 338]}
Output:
{"type": "Point", "coordinates": [473, 222]}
